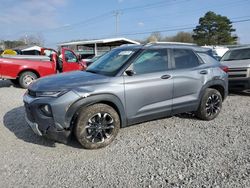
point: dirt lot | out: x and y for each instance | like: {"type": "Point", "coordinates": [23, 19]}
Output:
{"type": "Point", "coordinates": [180, 151]}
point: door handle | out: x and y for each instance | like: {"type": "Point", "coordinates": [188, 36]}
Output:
{"type": "Point", "coordinates": [165, 76]}
{"type": "Point", "coordinates": [203, 72]}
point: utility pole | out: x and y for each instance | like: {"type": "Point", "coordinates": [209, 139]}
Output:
{"type": "Point", "coordinates": [117, 13]}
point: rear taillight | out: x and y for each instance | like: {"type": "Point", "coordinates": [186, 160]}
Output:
{"type": "Point", "coordinates": [224, 68]}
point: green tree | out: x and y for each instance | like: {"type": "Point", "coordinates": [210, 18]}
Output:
{"type": "Point", "coordinates": [12, 44]}
{"type": "Point", "coordinates": [214, 29]}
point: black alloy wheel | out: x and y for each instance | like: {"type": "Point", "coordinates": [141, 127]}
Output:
{"type": "Point", "coordinates": [97, 126]}
{"type": "Point", "coordinates": [210, 105]}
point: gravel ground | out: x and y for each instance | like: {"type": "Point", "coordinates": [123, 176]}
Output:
{"type": "Point", "coordinates": [179, 151]}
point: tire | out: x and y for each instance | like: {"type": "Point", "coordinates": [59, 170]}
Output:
{"type": "Point", "coordinates": [26, 78]}
{"type": "Point", "coordinates": [210, 105]}
{"type": "Point", "coordinates": [97, 126]}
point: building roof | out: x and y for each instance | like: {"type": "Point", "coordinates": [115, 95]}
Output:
{"type": "Point", "coordinates": [99, 41]}
{"type": "Point", "coordinates": [28, 48]}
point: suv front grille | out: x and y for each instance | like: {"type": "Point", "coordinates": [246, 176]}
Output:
{"type": "Point", "coordinates": [237, 72]}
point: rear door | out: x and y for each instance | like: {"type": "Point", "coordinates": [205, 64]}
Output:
{"type": "Point", "coordinates": [70, 61]}
{"type": "Point", "coordinates": [190, 74]}
{"type": "Point", "coordinates": [149, 89]}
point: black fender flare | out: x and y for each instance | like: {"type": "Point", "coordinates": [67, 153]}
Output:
{"type": "Point", "coordinates": [212, 83]}
{"type": "Point", "coordinates": [90, 100]}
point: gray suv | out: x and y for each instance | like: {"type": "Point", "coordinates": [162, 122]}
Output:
{"type": "Point", "coordinates": [238, 62]}
{"type": "Point", "coordinates": [128, 85]}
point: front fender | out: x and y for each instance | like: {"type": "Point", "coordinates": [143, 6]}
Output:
{"type": "Point", "coordinates": [100, 98]}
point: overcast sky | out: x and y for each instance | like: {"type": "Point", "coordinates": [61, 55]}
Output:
{"type": "Point", "coordinates": [65, 20]}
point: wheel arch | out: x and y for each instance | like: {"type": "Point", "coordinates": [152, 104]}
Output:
{"type": "Point", "coordinates": [219, 85]}
{"type": "Point", "coordinates": [28, 70]}
{"type": "Point", "coordinates": [109, 99]}
{"type": "Point", "coordinates": [219, 88]}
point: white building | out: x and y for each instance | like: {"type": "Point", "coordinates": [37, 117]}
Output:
{"type": "Point", "coordinates": [90, 48]}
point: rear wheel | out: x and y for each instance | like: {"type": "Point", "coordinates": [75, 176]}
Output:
{"type": "Point", "coordinates": [26, 78]}
{"type": "Point", "coordinates": [210, 105]}
{"type": "Point", "coordinates": [97, 126]}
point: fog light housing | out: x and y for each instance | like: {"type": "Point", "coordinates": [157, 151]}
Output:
{"type": "Point", "coordinates": [46, 110]}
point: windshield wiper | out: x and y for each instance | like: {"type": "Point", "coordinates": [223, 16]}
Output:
{"type": "Point", "coordinates": [92, 71]}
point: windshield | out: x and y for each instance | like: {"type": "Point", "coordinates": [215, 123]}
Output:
{"type": "Point", "coordinates": [239, 54]}
{"type": "Point", "coordinates": [110, 63]}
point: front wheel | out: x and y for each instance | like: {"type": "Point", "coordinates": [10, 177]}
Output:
{"type": "Point", "coordinates": [210, 106]}
{"type": "Point", "coordinates": [26, 78]}
{"type": "Point", "coordinates": [97, 126]}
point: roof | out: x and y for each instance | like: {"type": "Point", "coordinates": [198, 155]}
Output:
{"type": "Point", "coordinates": [240, 48]}
{"type": "Point", "coordinates": [28, 47]}
{"type": "Point", "coordinates": [38, 48]}
{"type": "Point", "coordinates": [168, 45]}
{"type": "Point", "coordinates": [99, 41]}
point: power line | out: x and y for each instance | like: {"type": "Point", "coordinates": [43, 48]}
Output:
{"type": "Point", "coordinates": [176, 29]}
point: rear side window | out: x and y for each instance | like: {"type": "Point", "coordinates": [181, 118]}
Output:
{"type": "Point", "coordinates": [150, 61]}
{"type": "Point", "coordinates": [185, 59]}
{"type": "Point", "coordinates": [236, 55]}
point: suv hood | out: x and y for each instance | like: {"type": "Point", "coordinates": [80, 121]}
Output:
{"type": "Point", "coordinates": [237, 63]}
{"type": "Point", "coordinates": [69, 80]}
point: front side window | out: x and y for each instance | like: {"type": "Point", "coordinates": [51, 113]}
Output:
{"type": "Point", "coordinates": [185, 59]}
{"type": "Point", "coordinates": [110, 63]}
{"type": "Point", "coordinates": [70, 57]}
{"type": "Point", "coordinates": [150, 61]}
{"type": "Point", "coordinates": [239, 54]}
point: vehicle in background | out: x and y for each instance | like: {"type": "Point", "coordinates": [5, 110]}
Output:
{"type": "Point", "coordinates": [25, 71]}
{"type": "Point", "coordinates": [128, 85]}
{"type": "Point", "coordinates": [8, 52]}
{"type": "Point", "coordinates": [238, 62]}
{"type": "Point", "coordinates": [89, 62]}
{"type": "Point", "coordinates": [218, 51]}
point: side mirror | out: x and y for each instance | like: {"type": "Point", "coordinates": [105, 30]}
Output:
{"type": "Point", "coordinates": [130, 72]}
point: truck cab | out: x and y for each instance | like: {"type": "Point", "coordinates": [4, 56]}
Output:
{"type": "Point", "coordinates": [25, 71]}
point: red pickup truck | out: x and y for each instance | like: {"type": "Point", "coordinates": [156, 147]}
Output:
{"type": "Point", "coordinates": [23, 71]}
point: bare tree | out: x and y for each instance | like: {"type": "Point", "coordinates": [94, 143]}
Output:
{"type": "Point", "coordinates": [181, 37]}
{"type": "Point", "coordinates": [34, 39]}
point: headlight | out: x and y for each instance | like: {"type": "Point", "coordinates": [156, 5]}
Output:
{"type": "Point", "coordinates": [50, 93]}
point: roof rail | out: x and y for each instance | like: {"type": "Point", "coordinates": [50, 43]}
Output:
{"type": "Point", "coordinates": [174, 43]}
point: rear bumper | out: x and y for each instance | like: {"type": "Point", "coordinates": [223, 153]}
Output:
{"type": "Point", "coordinates": [239, 83]}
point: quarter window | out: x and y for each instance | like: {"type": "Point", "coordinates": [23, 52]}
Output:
{"type": "Point", "coordinates": [185, 59]}
{"type": "Point", "coordinates": [151, 61]}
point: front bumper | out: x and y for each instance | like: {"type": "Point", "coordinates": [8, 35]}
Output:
{"type": "Point", "coordinates": [239, 83]}
{"type": "Point", "coordinates": [54, 126]}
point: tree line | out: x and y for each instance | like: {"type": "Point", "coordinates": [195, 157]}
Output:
{"type": "Point", "coordinates": [213, 29]}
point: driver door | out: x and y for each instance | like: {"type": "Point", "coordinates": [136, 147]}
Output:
{"type": "Point", "coordinates": [149, 89]}
{"type": "Point", "coordinates": [70, 61]}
